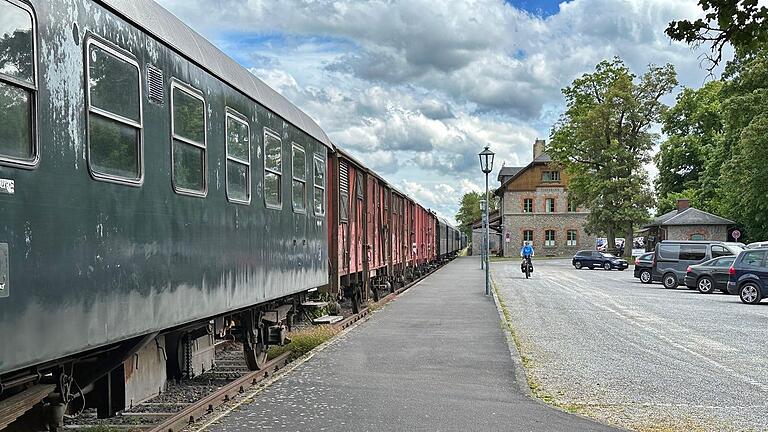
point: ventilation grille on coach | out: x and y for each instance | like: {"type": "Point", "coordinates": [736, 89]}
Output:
{"type": "Point", "coordinates": [155, 91]}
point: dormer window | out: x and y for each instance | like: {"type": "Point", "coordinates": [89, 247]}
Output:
{"type": "Point", "coordinates": [550, 176]}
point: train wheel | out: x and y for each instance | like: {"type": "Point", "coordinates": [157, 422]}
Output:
{"type": "Point", "coordinates": [254, 346]}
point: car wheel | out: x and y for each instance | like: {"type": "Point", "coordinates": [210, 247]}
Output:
{"type": "Point", "coordinates": [607, 266]}
{"type": "Point", "coordinates": [577, 264]}
{"type": "Point", "coordinates": [750, 293]}
{"type": "Point", "coordinates": [670, 281]}
{"type": "Point", "coordinates": [645, 276]}
{"type": "Point", "coordinates": [705, 285]}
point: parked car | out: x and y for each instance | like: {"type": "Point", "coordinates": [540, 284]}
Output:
{"type": "Point", "coordinates": [643, 267]}
{"type": "Point", "coordinates": [748, 276]}
{"type": "Point", "coordinates": [710, 275]}
{"type": "Point", "coordinates": [672, 258]}
{"type": "Point", "coordinates": [591, 259]}
{"type": "Point", "coordinates": [758, 245]}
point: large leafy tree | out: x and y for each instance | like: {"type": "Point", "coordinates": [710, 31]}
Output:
{"type": "Point", "coordinates": [689, 160]}
{"type": "Point", "coordinates": [741, 23]}
{"type": "Point", "coordinates": [604, 139]}
{"type": "Point", "coordinates": [744, 175]}
{"type": "Point", "coordinates": [469, 211]}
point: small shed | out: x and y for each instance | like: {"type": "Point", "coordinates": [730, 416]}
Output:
{"type": "Point", "coordinates": [686, 223]}
{"type": "Point", "coordinates": [477, 234]}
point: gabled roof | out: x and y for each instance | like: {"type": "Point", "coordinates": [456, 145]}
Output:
{"type": "Point", "coordinates": [542, 159]}
{"type": "Point", "coordinates": [689, 216]}
{"type": "Point", "coordinates": [508, 171]}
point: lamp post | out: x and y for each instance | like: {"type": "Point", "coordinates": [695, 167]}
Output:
{"type": "Point", "coordinates": [486, 165]}
{"type": "Point", "coordinates": [482, 223]}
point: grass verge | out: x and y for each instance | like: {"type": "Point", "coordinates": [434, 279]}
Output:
{"type": "Point", "coordinates": [304, 340]}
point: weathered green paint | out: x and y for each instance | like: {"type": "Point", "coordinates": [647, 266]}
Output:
{"type": "Point", "coordinates": [93, 262]}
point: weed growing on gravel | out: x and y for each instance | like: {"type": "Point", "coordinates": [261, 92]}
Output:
{"type": "Point", "coordinates": [304, 340]}
{"type": "Point", "coordinates": [373, 306]}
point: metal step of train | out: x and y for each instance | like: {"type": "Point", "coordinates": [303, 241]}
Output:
{"type": "Point", "coordinates": [328, 319]}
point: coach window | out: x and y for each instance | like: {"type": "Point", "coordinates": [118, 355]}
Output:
{"type": "Point", "coordinates": [273, 170]}
{"type": "Point", "coordinates": [299, 183]}
{"type": "Point", "coordinates": [319, 182]}
{"type": "Point", "coordinates": [114, 114]}
{"type": "Point", "coordinates": [238, 159]}
{"type": "Point", "coordinates": [188, 128]}
{"type": "Point", "coordinates": [18, 85]}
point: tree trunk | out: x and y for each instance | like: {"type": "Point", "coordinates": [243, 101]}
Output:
{"type": "Point", "coordinates": [611, 247]}
{"type": "Point", "coordinates": [629, 241]}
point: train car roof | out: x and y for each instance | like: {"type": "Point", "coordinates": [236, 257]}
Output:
{"type": "Point", "coordinates": [162, 24]}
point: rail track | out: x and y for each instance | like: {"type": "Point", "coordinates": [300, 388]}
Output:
{"type": "Point", "coordinates": [217, 387]}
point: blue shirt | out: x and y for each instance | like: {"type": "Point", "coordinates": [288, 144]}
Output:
{"type": "Point", "coordinates": [527, 250]}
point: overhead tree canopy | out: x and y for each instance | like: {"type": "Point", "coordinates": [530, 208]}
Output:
{"type": "Point", "coordinates": [603, 140]}
{"type": "Point", "coordinates": [742, 23]}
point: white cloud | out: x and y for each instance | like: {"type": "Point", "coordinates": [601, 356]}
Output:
{"type": "Point", "coordinates": [416, 88]}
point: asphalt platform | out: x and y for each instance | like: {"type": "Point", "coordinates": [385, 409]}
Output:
{"type": "Point", "coordinates": [435, 359]}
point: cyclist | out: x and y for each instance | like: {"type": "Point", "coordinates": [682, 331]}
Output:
{"type": "Point", "coordinates": [527, 252]}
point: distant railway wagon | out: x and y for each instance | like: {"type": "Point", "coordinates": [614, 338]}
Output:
{"type": "Point", "coordinates": [156, 196]}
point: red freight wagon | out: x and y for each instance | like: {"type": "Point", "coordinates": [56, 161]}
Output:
{"type": "Point", "coordinates": [399, 238]}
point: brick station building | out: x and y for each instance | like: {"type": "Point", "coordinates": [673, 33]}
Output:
{"type": "Point", "coordinates": [534, 207]}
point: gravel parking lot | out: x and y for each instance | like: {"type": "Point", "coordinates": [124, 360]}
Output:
{"type": "Point", "coordinates": [603, 344]}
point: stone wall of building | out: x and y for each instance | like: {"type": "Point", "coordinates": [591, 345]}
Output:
{"type": "Point", "coordinates": [477, 241]}
{"type": "Point", "coordinates": [709, 232]}
{"type": "Point", "coordinates": [515, 222]}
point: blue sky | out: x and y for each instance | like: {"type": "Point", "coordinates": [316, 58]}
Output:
{"type": "Point", "coordinates": [416, 88]}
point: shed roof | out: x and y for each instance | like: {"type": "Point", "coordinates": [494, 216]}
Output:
{"type": "Point", "coordinates": [689, 216]}
{"type": "Point", "coordinates": [516, 171]}
{"type": "Point", "coordinates": [508, 171]}
{"type": "Point", "coordinates": [164, 26]}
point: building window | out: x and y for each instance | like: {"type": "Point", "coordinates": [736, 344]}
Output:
{"type": "Point", "coordinates": [549, 238]}
{"type": "Point", "coordinates": [188, 129]}
{"type": "Point", "coordinates": [319, 182]}
{"type": "Point", "coordinates": [238, 159]}
{"type": "Point", "coordinates": [273, 170]}
{"type": "Point", "coordinates": [570, 238]}
{"type": "Point", "coordinates": [549, 205]}
{"type": "Point", "coordinates": [299, 183]}
{"type": "Point", "coordinates": [528, 236]}
{"type": "Point", "coordinates": [18, 85]}
{"type": "Point", "coordinates": [572, 207]}
{"type": "Point", "coordinates": [528, 205]}
{"type": "Point", "coordinates": [114, 114]}
{"type": "Point", "coordinates": [550, 176]}
{"type": "Point", "coordinates": [697, 236]}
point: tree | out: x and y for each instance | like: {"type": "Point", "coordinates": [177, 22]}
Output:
{"type": "Point", "coordinates": [744, 176]}
{"type": "Point", "coordinates": [742, 23]}
{"type": "Point", "coordinates": [469, 211]}
{"type": "Point", "coordinates": [603, 140]}
{"type": "Point", "coordinates": [689, 160]}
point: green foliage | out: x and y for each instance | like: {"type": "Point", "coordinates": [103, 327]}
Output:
{"type": "Point", "coordinates": [603, 139]}
{"type": "Point", "coordinates": [744, 176]}
{"type": "Point", "coordinates": [469, 210]}
{"type": "Point", "coordinates": [691, 157]}
{"type": "Point", "coordinates": [741, 23]}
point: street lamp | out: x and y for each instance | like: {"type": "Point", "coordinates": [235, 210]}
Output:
{"type": "Point", "coordinates": [482, 224]}
{"type": "Point", "coordinates": [486, 165]}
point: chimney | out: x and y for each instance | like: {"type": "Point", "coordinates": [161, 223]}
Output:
{"type": "Point", "coordinates": [538, 147]}
{"type": "Point", "coordinates": [683, 204]}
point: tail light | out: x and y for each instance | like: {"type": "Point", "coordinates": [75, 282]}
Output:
{"type": "Point", "coordinates": [732, 271]}
{"type": "Point", "coordinates": [689, 269]}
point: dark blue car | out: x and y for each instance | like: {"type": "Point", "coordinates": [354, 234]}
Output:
{"type": "Point", "coordinates": [591, 259]}
{"type": "Point", "coordinates": [748, 276]}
